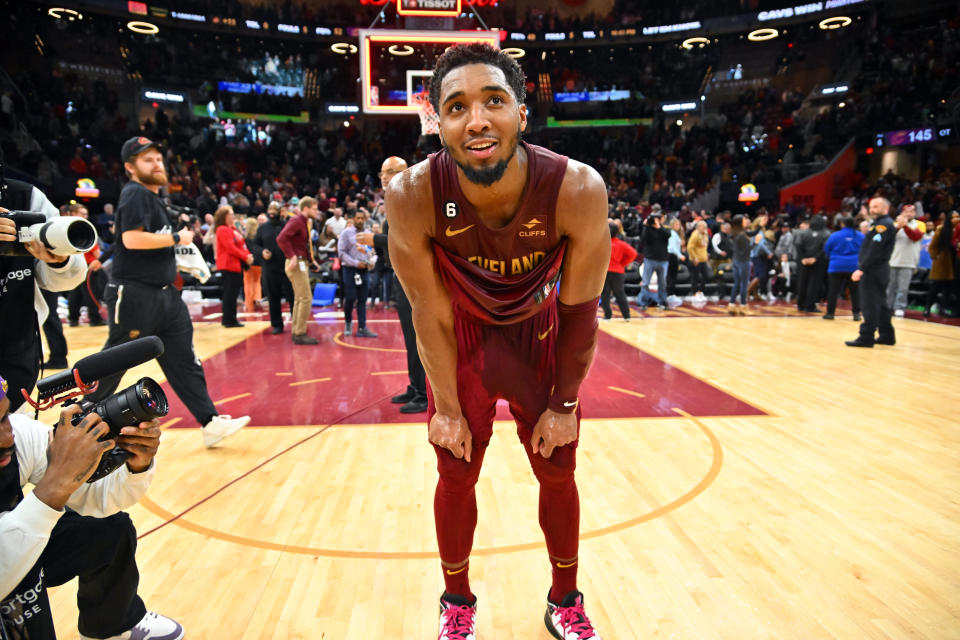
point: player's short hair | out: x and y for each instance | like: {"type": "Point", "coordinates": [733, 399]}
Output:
{"type": "Point", "coordinates": [477, 53]}
{"type": "Point", "coordinates": [307, 201]}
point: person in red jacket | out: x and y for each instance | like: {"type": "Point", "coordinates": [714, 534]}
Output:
{"type": "Point", "coordinates": [232, 253]}
{"type": "Point", "coordinates": [81, 296]}
{"type": "Point", "coordinates": [621, 254]}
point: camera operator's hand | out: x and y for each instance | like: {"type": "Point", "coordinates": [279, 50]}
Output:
{"type": "Point", "coordinates": [94, 266]}
{"type": "Point", "coordinates": [72, 457]}
{"type": "Point", "coordinates": [40, 252]}
{"type": "Point", "coordinates": [249, 259]}
{"type": "Point", "coordinates": [186, 237]}
{"type": "Point", "coordinates": [142, 441]}
{"type": "Point", "coordinates": [8, 229]}
{"type": "Point", "coordinates": [267, 254]}
{"type": "Point", "coordinates": [365, 238]}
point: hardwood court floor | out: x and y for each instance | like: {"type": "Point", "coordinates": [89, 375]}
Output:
{"type": "Point", "coordinates": [821, 502]}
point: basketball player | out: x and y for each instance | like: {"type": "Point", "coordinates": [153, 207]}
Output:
{"type": "Point", "coordinates": [480, 234]}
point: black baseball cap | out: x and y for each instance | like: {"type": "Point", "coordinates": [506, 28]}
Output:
{"type": "Point", "coordinates": [135, 146]}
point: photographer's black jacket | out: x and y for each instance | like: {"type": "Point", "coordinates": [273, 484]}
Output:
{"type": "Point", "coordinates": [266, 238]}
{"type": "Point", "coordinates": [16, 281]}
{"type": "Point", "coordinates": [655, 243]}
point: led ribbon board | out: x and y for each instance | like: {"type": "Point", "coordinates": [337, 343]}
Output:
{"type": "Point", "coordinates": [372, 40]}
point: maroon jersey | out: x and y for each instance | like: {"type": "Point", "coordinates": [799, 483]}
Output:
{"type": "Point", "coordinates": [507, 275]}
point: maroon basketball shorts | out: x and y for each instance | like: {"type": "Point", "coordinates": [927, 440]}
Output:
{"type": "Point", "coordinates": [511, 362]}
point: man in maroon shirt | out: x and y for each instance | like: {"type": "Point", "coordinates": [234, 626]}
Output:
{"type": "Point", "coordinates": [296, 243]}
{"type": "Point", "coordinates": [479, 235]}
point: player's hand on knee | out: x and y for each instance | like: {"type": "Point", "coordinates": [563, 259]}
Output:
{"type": "Point", "coordinates": [553, 430]}
{"type": "Point", "coordinates": [451, 433]}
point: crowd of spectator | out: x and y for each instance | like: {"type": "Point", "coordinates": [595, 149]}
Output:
{"type": "Point", "coordinates": [77, 123]}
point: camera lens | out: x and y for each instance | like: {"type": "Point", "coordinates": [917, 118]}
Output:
{"type": "Point", "coordinates": [82, 236]}
{"type": "Point", "coordinates": [140, 402]}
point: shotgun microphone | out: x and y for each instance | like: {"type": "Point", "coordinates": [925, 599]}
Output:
{"type": "Point", "coordinates": [98, 365]}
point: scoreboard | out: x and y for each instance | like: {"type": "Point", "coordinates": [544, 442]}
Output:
{"type": "Point", "coordinates": [915, 136]}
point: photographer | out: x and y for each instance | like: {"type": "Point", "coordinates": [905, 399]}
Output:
{"type": "Point", "coordinates": [655, 260]}
{"type": "Point", "coordinates": [141, 299]}
{"type": "Point", "coordinates": [42, 544]}
{"type": "Point", "coordinates": [21, 281]}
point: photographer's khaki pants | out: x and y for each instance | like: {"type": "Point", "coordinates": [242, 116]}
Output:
{"type": "Point", "coordinates": [302, 298]}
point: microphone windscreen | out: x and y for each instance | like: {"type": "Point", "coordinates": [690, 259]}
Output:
{"type": "Point", "coordinates": [98, 365]}
{"type": "Point", "coordinates": [118, 358]}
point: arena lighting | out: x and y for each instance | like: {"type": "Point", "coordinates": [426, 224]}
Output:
{"type": "Point", "coordinates": [673, 107]}
{"type": "Point", "coordinates": [748, 194]}
{"type": "Point", "coordinates": [61, 13]}
{"type": "Point", "coordinates": [146, 28]}
{"type": "Point", "coordinates": [836, 22]}
{"type": "Point", "coordinates": [759, 35]}
{"type": "Point", "coordinates": [400, 50]}
{"type": "Point", "coordinates": [515, 52]}
{"type": "Point", "coordinates": [345, 48]}
{"type": "Point", "coordinates": [690, 43]}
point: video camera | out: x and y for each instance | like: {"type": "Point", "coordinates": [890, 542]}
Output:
{"type": "Point", "coordinates": [62, 235]}
{"type": "Point", "coordinates": [140, 402]}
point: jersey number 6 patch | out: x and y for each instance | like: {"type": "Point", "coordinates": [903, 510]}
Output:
{"type": "Point", "coordinates": [451, 209]}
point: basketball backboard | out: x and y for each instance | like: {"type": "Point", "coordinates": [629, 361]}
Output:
{"type": "Point", "coordinates": [395, 64]}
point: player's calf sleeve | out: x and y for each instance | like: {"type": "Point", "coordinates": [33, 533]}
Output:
{"type": "Point", "coordinates": [576, 341]}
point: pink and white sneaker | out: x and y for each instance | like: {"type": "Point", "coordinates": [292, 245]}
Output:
{"type": "Point", "coordinates": [458, 618]}
{"type": "Point", "coordinates": [568, 620]}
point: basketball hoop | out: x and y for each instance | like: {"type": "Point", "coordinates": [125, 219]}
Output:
{"type": "Point", "coordinates": [429, 120]}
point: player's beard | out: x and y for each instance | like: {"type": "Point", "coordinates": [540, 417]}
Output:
{"type": "Point", "coordinates": [486, 176]}
{"type": "Point", "coordinates": [157, 179]}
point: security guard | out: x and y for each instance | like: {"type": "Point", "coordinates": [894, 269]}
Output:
{"type": "Point", "coordinates": [874, 269]}
{"type": "Point", "coordinates": [141, 299]}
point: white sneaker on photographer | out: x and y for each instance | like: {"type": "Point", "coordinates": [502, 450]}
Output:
{"type": "Point", "coordinates": [220, 427]}
{"type": "Point", "coordinates": [152, 626]}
